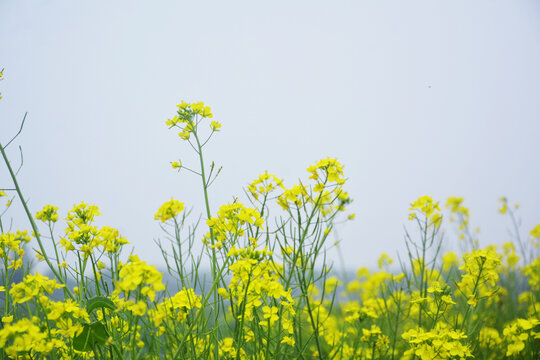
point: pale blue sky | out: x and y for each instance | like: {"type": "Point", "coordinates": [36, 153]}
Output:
{"type": "Point", "coordinates": [413, 97]}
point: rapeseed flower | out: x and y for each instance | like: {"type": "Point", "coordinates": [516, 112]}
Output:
{"type": "Point", "coordinates": [169, 210]}
{"type": "Point", "coordinates": [48, 213]}
{"type": "Point", "coordinates": [31, 286]}
{"type": "Point", "coordinates": [442, 342]}
{"type": "Point", "coordinates": [138, 274]}
{"type": "Point", "coordinates": [518, 332]}
{"type": "Point", "coordinates": [24, 336]}
{"type": "Point", "coordinates": [428, 207]}
{"type": "Point", "coordinates": [264, 185]}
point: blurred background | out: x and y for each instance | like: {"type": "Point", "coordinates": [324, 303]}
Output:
{"type": "Point", "coordinates": [417, 97]}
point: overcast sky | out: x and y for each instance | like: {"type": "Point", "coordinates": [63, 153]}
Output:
{"type": "Point", "coordinates": [413, 97]}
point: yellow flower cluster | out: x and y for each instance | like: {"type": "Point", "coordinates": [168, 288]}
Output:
{"type": "Point", "coordinates": [327, 171]}
{"type": "Point", "coordinates": [230, 222]}
{"type": "Point", "coordinates": [138, 274]}
{"type": "Point", "coordinates": [428, 207]}
{"type": "Point", "coordinates": [459, 211]}
{"type": "Point", "coordinates": [12, 248]}
{"type": "Point", "coordinates": [67, 316]}
{"type": "Point", "coordinates": [26, 337]}
{"type": "Point", "coordinates": [504, 205]}
{"type": "Point", "coordinates": [455, 204]}
{"type": "Point", "coordinates": [328, 175]}
{"type": "Point", "coordinates": [489, 338]}
{"type": "Point", "coordinates": [111, 240]}
{"type": "Point", "coordinates": [83, 236]}
{"type": "Point", "coordinates": [510, 257]}
{"type": "Point", "coordinates": [440, 343]}
{"type": "Point", "coordinates": [174, 309]}
{"type": "Point", "coordinates": [535, 236]}
{"type": "Point", "coordinates": [296, 195]}
{"type": "Point", "coordinates": [48, 213]}
{"type": "Point", "coordinates": [80, 230]}
{"type": "Point", "coordinates": [264, 185]}
{"type": "Point", "coordinates": [518, 333]}
{"type": "Point", "coordinates": [228, 350]}
{"type": "Point", "coordinates": [254, 287]}
{"type": "Point", "coordinates": [481, 274]}
{"type": "Point", "coordinates": [169, 210]}
{"type": "Point", "coordinates": [535, 232]}
{"type": "Point", "coordinates": [186, 121]}
{"type": "Point", "coordinates": [32, 286]}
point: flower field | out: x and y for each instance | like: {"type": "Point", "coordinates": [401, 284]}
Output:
{"type": "Point", "coordinates": [271, 293]}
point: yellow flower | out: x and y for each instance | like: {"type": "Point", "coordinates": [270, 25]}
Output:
{"type": "Point", "coordinates": [384, 260]}
{"type": "Point", "coordinates": [110, 239]}
{"type": "Point", "coordinates": [427, 206]}
{"type": "Point", "coordinates": [176, 164]}
{"type": "Point", "coordinates": [24, 336]}
{"type": "Point", "coordinates": [169, 210]}
{"type": "Point", "coordinates": [231, 219]}
{"type": "Point", "coordinates": [449, 260]}
{"type": "Point", "coordinates": [329, 169]}
{"type": "Point", "coordinates": [215, 126]}
{"type": "Point", "coordinates": [270, 314]}
{"type": "Point", "coordinates": [48, 213]}
{"type": "Point", "coordinates": [289, 340]}
{"type": "Point", "coordinates": [297, 195]}
{"type": "Point", "coordinates": [504, 205]}
{"type": "Point", "coordinates": [32, 286]}
{"type": "Point", "coordinates": [184, 135]}
{"type": "Point", "coordinates": [535, 232]}
{"type": "Point", "coordinates": [264, 185]}
{"type": "Point", "coordinates": [138, 309]}
{"type": "Point", "coordinates": [517, 333]}
{"type": "Point", "coordinates": [441, 342]}
{"type": "Point", "coordinates": [369, 335]}
{"type": "Point", "coordinates": [137, 273]}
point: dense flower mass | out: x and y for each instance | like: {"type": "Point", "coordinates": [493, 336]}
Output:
{"type": "Point", "coordinates": [26, 337]}
{"type": "Point", "coordinates": [440, 343]}
{"type": "Point", "coordinates": [12, 248]}
{"type": "Point", "coordinates": [48, 213]}
{"type": "Point", "coordinates": [31, 287]}
{"type": "Point", "coordinates": [169, 210]}
{"type": "Point", "coordinates": [428, 207]}
{"type": "Point", "coordinates": [260, 286]}
{"type": "Point", "coordinates": [188, 117]}
{"type": "Point", "coordinates": [136, 274]}
{"type": "Point", "coordinates": [231, 221]}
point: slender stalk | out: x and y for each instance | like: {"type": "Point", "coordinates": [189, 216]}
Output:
{"type": "Point", "coordinates": [32, 222]}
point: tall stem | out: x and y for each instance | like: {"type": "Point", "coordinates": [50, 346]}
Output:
{"type": "Point", "coordinates": [32, 222]}
{"type": "Point", "coordinates": [214, 268]}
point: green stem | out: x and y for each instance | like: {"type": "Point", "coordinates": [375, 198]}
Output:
{"type": "Point", "coordinates": [212, 239]}
{"type": "Point", "coordinates": [32, 222]}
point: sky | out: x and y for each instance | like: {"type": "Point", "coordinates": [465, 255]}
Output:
{"type": "Point", "coordinates": [413, 97]}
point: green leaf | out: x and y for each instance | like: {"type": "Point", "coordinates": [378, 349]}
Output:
{"type": "Point", "coordinates": [92, 335]}
{"type": "Point", "coordinates": [99, 333]}
{"type": "Point", "coordinates": [82, 342]}
{"type": "Point", "coordinates": [99, 302]}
